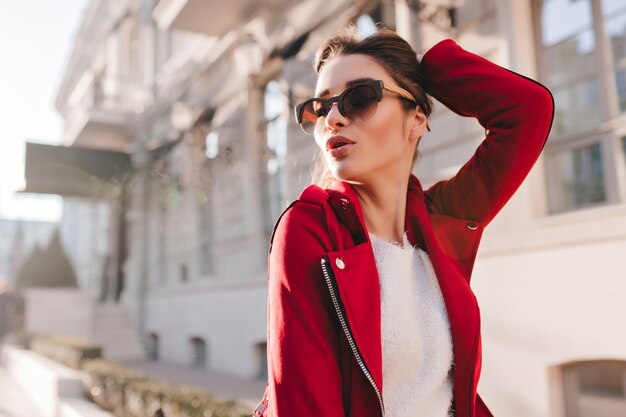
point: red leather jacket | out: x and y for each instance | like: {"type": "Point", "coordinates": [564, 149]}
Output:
{"type": "Point", "coordinates": [324, 336]}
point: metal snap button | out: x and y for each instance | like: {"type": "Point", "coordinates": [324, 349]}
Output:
{"type": "Point", "coordinates": [472, 226]}
{"type": "Point", "coordinates": [340, 264]}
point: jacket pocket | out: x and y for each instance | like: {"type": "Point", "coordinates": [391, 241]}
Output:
{"type": "Point", "coordinates": [459, 239]}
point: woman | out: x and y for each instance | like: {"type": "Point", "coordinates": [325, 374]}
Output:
{"type": "Point", "coordinates": [370, 309]}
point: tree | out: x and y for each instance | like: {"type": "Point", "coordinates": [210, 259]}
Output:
{"type": "Point", "coordinates": [48, 267]}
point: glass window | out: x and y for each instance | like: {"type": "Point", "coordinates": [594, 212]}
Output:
{"type": "Point", "coordinates": [578, 18]}
{"type": "Point", "coordinates": [206, 238]}
{"type": "Point", "coordinates": [153, 346]}
{"type": "Point", "coordinates": [163, 48]}
{"type": "Point", "coordinates": [615, 29]}
{"type": "Point", "coordinates": [570, 58]}
{"type": "Point", "coordinates": [384, 12]}
{"type": "Point", "coordinates": [570, 63]}
{"type": "Point", "coordinates": [211, 145]}
{"type": "Point", "coordinates": [587, 93]}
{"type": "Point", "coordinates": [610, 7]}
{"type": "Point", "coordinates": [261, 350]}
{"type": "Point", "coordinates": [577, 106]}
{"type": "Point", "coordinates": [595, 388]}
{"type": "Point", "coordinates": [620, 85]}
{"type": "Point", "coordinates": [623, 150]}
{"type": "Point", "coordinates": [579, 176]}
{"type": "Point", "coordinates": [161, 231]}
{"type": "Point", "coordinates": [276, 150]}
{"type": "Point", "coordinates": [198, 352]}
{"type": "Point", "coordinates": [365, 25]}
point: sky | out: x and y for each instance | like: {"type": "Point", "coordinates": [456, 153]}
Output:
{"type": "Point", "coordinates": [36, 40]}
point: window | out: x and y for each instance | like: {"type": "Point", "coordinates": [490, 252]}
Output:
{"type": "Point", "coordinates": [211, 145]}
{"type": "Point", "coordinates": [594, 388]}
{"type": "Point", "coordinates": [276, 107]}
{"type": "Point", "coordinates": [261, 352]}
{"type": "Point", "coordinates": [614, 15]}
{"type": "Point", "coordinates": [365, 25]}
{"type": "Point", "coordinates": [153, 346]}
{"type": "Point", "coordinates": [575, 39]}
{"type": "Point", "coordinates": [580, 177]}
{"type": "Point", "coordinates": [206, 238]}
{"type": "Point", "coordinates": [383, 12]}
{"type": "Point", "coordinates": [198, 352]}
{"type": "Point", "coordinates": [159, 229]}
{"type": "Point", "coordinates": [163, 48]}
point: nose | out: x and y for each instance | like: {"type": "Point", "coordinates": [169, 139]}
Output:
{"type": "Point", "coordinates": [334, 118]}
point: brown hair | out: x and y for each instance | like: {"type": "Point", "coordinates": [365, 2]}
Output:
{"type": "Point", "coordinates": [390, 51]}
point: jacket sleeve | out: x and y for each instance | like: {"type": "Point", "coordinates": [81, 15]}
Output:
{"type": "Point", "coordinates": [517, 113]}
{"type": "Point", "coordinates": [303, 337]}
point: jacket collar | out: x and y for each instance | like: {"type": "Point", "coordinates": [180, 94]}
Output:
{"type": "Point", "coordinates": [415, 204]}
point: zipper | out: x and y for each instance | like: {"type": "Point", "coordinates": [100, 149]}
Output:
{"type": "Point", "coordinates": [346, 330]}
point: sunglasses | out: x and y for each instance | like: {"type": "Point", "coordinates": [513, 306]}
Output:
{"type": "Point", "coordinates": [357, 103]}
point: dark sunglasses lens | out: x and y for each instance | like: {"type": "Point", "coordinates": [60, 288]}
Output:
{"type": "Point", "coordinates": [360, 103]}
{"type": "Point", "coordinates": [310, 113]}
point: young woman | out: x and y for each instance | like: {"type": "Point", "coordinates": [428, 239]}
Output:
{"type": "Point", "coordinates": [370, 309]}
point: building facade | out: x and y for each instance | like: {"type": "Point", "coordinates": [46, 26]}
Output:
{"type": "Point", "coordinates": [200, 96]}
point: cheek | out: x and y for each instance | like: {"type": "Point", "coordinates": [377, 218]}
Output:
{"type": "Point", "coordinates": [319, 142]}
{"type": "Point", "coordinates": [386, 127]}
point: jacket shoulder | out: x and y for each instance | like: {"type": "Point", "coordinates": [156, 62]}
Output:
{"type": "Point", "coordinates": [314, 194]}
{"type": "Point", "coordinates": [307, 209]}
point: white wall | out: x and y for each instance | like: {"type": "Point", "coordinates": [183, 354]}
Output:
{"type": "Point", "coordinates": [59, 312]}
{"type": "Point", "coordinates": [230, 317]}
{"type": "Point", "coordinates": [544, 308]}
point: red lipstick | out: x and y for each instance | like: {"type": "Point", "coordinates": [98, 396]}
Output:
{"type": "Point", "coordinates": [338, 146]}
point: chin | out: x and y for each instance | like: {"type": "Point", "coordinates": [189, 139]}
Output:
{"type": "Point", "coordinates": [345, 174]}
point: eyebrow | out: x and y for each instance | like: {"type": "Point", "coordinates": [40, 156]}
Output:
{"type": "Point", "coordinates": [348, 84]}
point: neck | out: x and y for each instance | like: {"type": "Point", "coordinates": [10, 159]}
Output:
{"type": "Point", "coordinates": [383, 203]}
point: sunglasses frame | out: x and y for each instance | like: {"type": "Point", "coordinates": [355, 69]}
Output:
{"type": "Point", "coordinates": [327, 103]}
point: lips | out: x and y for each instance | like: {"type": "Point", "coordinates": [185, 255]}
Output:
{"type": "Point", "coordinates": [337, 142]}
{"type": "Point", "coordinates": [338, 146]}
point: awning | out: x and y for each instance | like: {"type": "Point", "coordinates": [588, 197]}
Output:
{"type": "Point", "coordinates": [74, 171]}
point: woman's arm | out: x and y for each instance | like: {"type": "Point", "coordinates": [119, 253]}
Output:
{"type": "Point", "coordinates": [516, 111]}
{"type": "Point", "coordinates": [303, 338]}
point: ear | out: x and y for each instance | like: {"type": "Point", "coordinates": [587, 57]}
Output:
{"type": "Point", "coordinates": [417, 124]}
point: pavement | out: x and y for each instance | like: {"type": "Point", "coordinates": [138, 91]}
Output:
{"type": "Point", "coordinates": [248, 392]}
{"type": "Point", "coordinates": [13, 401]}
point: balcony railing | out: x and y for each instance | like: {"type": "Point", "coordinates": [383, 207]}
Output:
{"type": "Point", "coordinates": [104, 101]}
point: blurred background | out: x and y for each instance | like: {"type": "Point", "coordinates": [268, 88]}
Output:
{"type": "Point", "coordinates": [149, 146]}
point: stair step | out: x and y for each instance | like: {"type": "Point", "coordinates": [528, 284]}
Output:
{"type": "Point", "coordinates": [115, 331]}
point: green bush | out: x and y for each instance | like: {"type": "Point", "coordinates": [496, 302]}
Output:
{"type": "Point", "coordinates": [144, 398]}
{"type": "Point", "coordinates": [69, 351]}
{"type": "Point", "coordinates": [130, 394]}
{"type": "Point", "coordinates": [127, 393]}
{"type": "Point", "coordinates": [107, 384]}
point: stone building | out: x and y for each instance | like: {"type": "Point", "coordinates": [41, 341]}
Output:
{"type": "Point", "coordinates": [198, 97]}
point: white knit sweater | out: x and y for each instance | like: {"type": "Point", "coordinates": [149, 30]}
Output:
{"type": "Point", "coordinates": [416, 338]}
